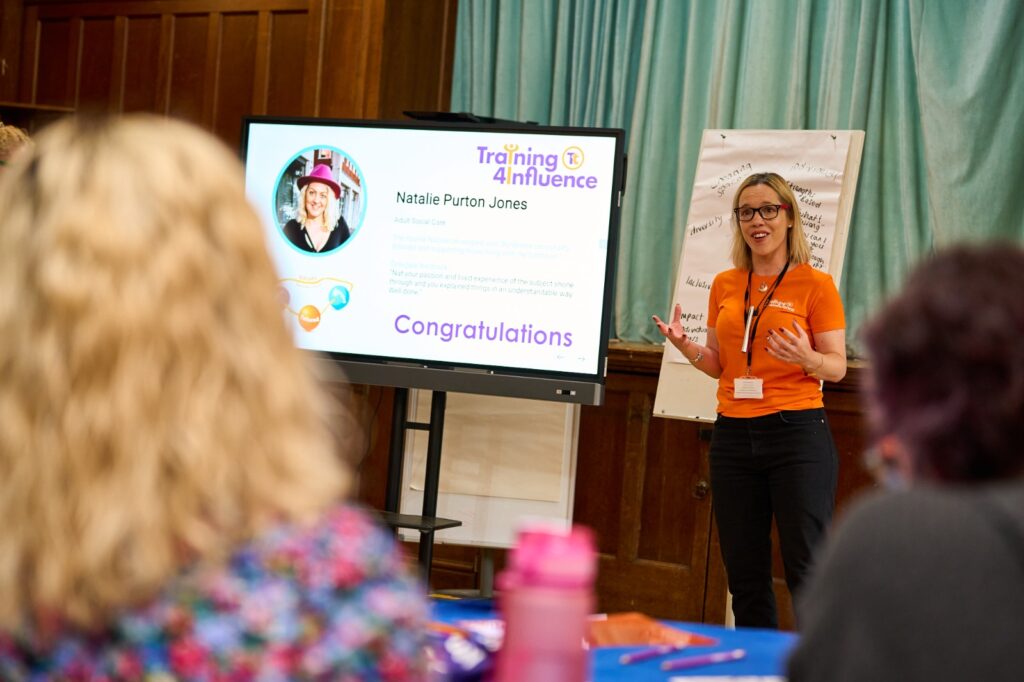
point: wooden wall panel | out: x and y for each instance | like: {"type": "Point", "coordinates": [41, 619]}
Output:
{"type": "Point", "coordinates": [189, 66]}
{"type": "Point", "coordinates": [236, 70]}
{"type": "Point", "coordinates": [351, 58]}
{"type": "Point", "coordinates": [10, 46]}
{"type": "Point", "coordinates": [407, 46]}
{"type": "Point", "coordinates": [846, 415]}
{"type": "Point", "coordinates": [676, 503]}
{"type": "Point", "coordinates": [141, 64]}
{"type": "Point", "coordinates": [56, 60]}
{"type": "Point", "coordinates": [286, 74]}
{"type": "Point", "coordinates": [96, 64]}
{"type": "Point", "coordinates": [597, 501]}
{"type": "Point", "coordinates": [28, 55]}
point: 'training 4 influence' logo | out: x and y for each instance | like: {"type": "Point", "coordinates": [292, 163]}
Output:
{"type": "Point", "coordinates": [514, 166]}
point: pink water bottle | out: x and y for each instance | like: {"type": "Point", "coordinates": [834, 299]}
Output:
{"type": "Point", "coordinates": [546, 596]}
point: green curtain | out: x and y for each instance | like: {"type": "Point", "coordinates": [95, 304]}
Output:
{"type": "Point", "coordinates": [970, 63]}
{"type": "Point", "coordinates": [938, 86]}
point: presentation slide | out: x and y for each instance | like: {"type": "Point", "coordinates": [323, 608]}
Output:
{"type": "Point", "coordinates": [471, 247]}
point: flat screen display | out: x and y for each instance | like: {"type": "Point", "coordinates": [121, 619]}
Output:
{"type": "Point", "coordinates": [462, 257]}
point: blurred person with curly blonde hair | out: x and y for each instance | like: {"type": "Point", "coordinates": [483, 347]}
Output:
{"type": "Point", "coordinates": [11, 139]}
{"type": "Point", "coordinates": [171, 493]}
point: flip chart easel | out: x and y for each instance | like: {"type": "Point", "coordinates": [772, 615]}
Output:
{"type": "Point", "coordinates": [822, 167]}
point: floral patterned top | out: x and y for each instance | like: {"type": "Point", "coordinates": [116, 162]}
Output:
{"type": "Point", "coordinates": [331, 602]}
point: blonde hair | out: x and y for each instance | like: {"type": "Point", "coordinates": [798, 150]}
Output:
{"type": "Point", "coordinates": [12, 138]}
{"type": "Point", "coordinates": [330, 214]}
{"type": "Point", "coordinates": [155, 411]}
{"type": "Point", "coordinates": [797, 248]}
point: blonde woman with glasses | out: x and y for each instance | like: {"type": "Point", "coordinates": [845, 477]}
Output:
{"type": "Point", "coordinates": [172, 497]}
{"type": "Point", "coordinates": [776, 329]}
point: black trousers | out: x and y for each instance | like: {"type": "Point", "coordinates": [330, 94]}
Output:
{"type": "Point", "coordinates": [783, 465]}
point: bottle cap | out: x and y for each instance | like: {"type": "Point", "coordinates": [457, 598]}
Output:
{"type": "Point", "coordinates": [545, 557]}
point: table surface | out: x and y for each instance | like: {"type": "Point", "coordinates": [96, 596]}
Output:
{"type": "Point", "coordinates": [766, 650]}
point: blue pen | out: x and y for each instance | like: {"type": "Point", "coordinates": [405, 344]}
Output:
{"type": "Point", "coordinates": [703, 659]}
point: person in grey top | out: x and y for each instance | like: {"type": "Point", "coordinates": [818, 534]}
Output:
{"type": "Point", "coordinates": [925, 580]}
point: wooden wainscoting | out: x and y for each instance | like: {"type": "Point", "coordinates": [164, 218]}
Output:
{"type": "Point", "coordinates": [212, 62]}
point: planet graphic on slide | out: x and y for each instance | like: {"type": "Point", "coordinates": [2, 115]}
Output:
{"type": "Point", "coordinates": [338, 297]}
{"type": "Point", "coordinates": [310, 299]}
{"type": "Point", "coordinates": [309, 317]}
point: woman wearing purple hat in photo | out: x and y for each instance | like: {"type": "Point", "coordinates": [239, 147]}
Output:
{"type": "Point", "coordinates": [318, 227]}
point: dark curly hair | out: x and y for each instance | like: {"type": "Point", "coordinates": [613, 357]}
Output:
{"type": "Point", "coordinates": [947, 364]}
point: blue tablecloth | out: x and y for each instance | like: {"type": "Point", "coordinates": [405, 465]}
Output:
{"type": "Point", "coordinates": [766, 649]}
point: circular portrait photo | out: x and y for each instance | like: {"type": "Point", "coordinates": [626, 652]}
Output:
{"type": "Point", "coordinates": [320, 200]}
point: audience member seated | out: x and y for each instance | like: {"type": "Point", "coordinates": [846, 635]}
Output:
{"type": "Point", "coordinates": [171, 493]}
{"type": "Point", "coordinates": [12, 138]}
{"type": "Point", "coordinates": [928, 583]}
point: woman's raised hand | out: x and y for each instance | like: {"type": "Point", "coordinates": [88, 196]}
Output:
{"type": "Point", "coordinates": [673, 331]}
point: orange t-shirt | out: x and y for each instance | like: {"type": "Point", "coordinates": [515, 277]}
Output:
{"type": "Point", "coordinates": [806, 295]}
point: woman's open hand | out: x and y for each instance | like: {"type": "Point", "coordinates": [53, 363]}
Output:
{"type": "Point", "coordinates": [673, 331]}
{"type": "Point", "coordinates": [792, 346]}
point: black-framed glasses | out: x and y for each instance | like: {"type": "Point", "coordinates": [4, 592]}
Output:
{"type": "Point", "coordinates": [768, 211]}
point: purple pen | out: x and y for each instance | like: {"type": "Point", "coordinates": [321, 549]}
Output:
{"type": "Point", "coordinates": [703, 659]}
{"type": "Point", "coordinates": [651, 652]}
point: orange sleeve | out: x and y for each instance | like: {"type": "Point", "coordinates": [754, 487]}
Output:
{"type": "Point", "coordinates": [826, 313]}
{"type": "Point", "coordinates": [716, 287]}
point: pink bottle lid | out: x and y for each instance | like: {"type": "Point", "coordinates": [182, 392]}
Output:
{"type": "Point", "coordinates": [545, 557]}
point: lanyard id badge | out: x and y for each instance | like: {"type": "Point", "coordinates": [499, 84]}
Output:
{"type": "Point", "coordinates": [747, 387]}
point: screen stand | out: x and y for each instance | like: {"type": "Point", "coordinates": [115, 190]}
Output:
{"type": "Point", "coordinates": [428, 523]}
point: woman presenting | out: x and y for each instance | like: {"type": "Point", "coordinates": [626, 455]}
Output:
{"type": "Point", "coordinates": [316, 228]}
{"type": "Point", "coordinates": [775, 329]}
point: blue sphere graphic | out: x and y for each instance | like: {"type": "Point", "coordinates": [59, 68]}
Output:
{"type": "Point", "coordinates": [338, 296]}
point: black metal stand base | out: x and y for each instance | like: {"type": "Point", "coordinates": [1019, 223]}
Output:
{"type": "Point", "coordinates": [429, 522]}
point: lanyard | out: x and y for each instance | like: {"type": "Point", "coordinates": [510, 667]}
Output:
{"type": "Point", "coordinates": [754, 314]}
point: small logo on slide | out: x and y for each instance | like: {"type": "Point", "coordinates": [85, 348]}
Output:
{"type": "Point", "coordinates": [512, 164]}
{"type": "Point", "coordinates": [572, 158]}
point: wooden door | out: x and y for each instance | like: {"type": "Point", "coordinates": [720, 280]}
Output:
{"type": "Point", "coordinates": [642, 484]}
